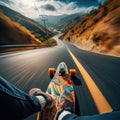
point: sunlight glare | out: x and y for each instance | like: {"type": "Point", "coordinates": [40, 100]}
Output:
{"type": "Point", "coordinates": [28, 2]}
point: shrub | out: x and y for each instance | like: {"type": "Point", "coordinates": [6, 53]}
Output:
{"type": "Point", "coordinates": [68, 38]}
{"type": "Point", "coordinates": [49, 42]}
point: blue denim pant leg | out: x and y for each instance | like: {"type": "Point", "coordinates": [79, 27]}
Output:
{"type": "Point", "coordinates": [14, 103]}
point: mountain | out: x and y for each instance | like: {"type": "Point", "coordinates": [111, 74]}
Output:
{"type": "Point", "coordinates": [13, 33]}
{"type": "Point", "coordinates": [52, 20]}
{"type": "Point", "coordinates": [67, 18]}
{"type": "Point", "coordinates": [38, 30]}
{"type": "Point", "coordinates": [68, 24]}
{"type": "Point", "coordinates": [57, 23]}
{"type": "Point", "coordinates": [98, 31]}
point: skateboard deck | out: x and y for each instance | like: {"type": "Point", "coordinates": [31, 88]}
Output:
{"type": "Point", "coordinates": [60, 87]}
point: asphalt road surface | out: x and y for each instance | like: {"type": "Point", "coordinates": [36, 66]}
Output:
{"type": "Point", "coordinates": [100, 80]}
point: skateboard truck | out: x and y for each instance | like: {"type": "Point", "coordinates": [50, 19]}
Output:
{"type": "Point", "coordinates": [52, 71]}
{"type": "Point", "coordinates": [62, 72]}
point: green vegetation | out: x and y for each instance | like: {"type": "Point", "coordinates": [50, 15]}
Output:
{"type": "Point", "coordinates": [50, 42]}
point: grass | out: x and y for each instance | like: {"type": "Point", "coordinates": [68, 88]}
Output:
{"type": "Point", "coordinates": [50, 42]}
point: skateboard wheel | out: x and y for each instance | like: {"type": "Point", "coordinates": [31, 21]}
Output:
{"type": "Point", "coordinates": [72, 72]}
{"type": "Point", "coordinates": [51, 71]}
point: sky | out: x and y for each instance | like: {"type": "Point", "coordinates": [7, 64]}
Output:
{"type": "Point", "coordinates": [35, 8]}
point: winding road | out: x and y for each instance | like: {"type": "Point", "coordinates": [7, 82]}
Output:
{"type": "Point", "coordinates": [99, 74]}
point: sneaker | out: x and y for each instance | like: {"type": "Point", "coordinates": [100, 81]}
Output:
{"type": "Point", "coordinates": [66, 102]}
{"type": "Point", "coordinates": [38, 92]}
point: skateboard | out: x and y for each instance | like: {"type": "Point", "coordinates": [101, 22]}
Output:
{"type": "Point", "coordinates": [60, 87]}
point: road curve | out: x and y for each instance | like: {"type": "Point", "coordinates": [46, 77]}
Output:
{"type": "Point", "coordinates": [28, 69]}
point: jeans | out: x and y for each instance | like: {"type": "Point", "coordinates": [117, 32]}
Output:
{"type": "Point", "coordinates": [16, 104]}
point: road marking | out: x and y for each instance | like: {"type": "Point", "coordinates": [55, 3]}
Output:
{"type": "Point", "coordinates": [101, 103]}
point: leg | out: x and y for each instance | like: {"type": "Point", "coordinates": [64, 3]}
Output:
{"type": "Point", "coordinates": [14, 103]}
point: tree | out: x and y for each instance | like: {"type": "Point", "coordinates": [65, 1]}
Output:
{"type": "Point", "coordinates": [68, 39]}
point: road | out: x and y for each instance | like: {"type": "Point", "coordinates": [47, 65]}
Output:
{"type": "Point", "coordinates": [100, 75]}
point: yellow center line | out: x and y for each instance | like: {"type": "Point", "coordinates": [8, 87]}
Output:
{"type": "Point", "coordinates": [101, 103]}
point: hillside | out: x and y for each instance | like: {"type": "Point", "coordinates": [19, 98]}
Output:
{"type": "Point", "coordinates": [98, 31]}
{"type": "Point", "coordinates": [13, 33]}
{"type": "Point", "coordinates": [66, 25]}
{"type": "Point", "coordinates": [58, 22]}
{"type": "Point", "coordinates": [38, 30]}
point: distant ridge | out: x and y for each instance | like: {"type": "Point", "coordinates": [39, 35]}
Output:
{"type": "Point", "coordinates": [38, 30]}
{"type": "Point", "coordinates": [12, 33]}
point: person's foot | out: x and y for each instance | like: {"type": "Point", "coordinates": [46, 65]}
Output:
{"type": "Point", "coordinates": [49, 109]}
{"type": "Point", "coordinates": [35, 91]}
{"type": "Point", "coordinates": [49, 101]}
{"type": "Point", "coordinates": [66, 102]}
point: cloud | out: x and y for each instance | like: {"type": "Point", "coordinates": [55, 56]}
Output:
{"type": "Point", "coordinates": [6, 1]}
{"type": "Point", "coordinates": [49, 7]}
{"type": "Point", "coordinates": [71, 6]}
{"type": "Point", "coordinates": [35, 8]}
